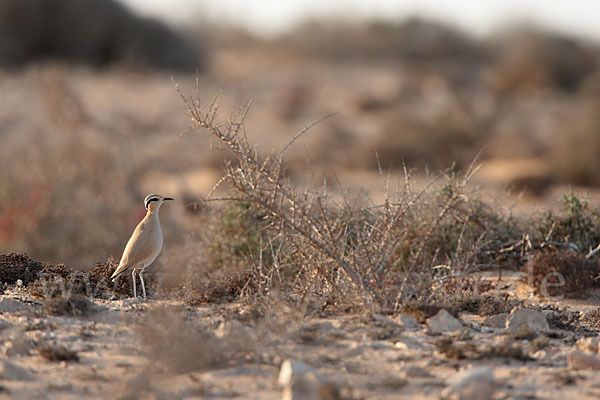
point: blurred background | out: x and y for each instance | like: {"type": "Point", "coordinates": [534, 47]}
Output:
{"type": "Point", "coordinates": [90, 121]}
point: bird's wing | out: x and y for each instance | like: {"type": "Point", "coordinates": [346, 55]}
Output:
{"type": "Point", "coordinates": [137, 251]}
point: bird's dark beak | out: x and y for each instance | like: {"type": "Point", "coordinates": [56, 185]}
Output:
{"type": "Point", "coordinates": [168, 198]}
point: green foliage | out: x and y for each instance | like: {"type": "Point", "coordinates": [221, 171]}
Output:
{"type": "Point", "coordinates": [240, 236]}
{"type": "Point", "coordinates": [577, 223]}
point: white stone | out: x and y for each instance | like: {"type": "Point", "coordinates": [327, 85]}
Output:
{"type": "Point", "coordinates": [291, 370]}
{"type": "Point", "coordinates": [473, 384]}
{"type": "Point", "coordinates": [443, 321]}
{"type": "Point", "coordinates": [534, 320]}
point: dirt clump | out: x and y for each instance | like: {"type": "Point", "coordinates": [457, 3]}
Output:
{"type": "Point", "coordinates": [15, 266]}
{"type": "Point", "coordinates": [61, 282]}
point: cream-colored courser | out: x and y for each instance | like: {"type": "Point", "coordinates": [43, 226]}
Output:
{"type": "Point", "coordinates": [145, 243]}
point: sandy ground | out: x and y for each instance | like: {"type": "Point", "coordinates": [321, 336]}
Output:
{"type": "Point", "coordinates": [150, 349]}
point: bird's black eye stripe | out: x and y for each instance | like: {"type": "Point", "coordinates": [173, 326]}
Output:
{"type": "Point", "coordinates": [150, 201]}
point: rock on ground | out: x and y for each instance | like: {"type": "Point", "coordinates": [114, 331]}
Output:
{"type": "Point", "coordinates": [534, 320]}
{"type": "Point", "coordinates": [443, 321]}
{"type": "Point", "coordinates": [497, 321]}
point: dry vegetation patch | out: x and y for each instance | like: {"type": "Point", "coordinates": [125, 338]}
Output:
{"type": "Point", "coordinates": [176, 344]}
{"type": "Point", "coordinates": [56, 352]}
{"type": "Point", "coordinates": [18, 266]}
{"type": "Point", "coordinates": [469, 350]}
{"type": "Point", "coordinates": [75, 305]}
{"type": "Point", "coordinates": [563, 272]}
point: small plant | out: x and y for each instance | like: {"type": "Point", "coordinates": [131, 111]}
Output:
{"type": "Point", "coordinates": [241, 233]}
{"type": "Point", "coordinates": [56, 353]}
{"type": "Point", "coordinates": [577, 227]}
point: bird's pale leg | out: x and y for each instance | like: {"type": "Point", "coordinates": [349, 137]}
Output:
{"type": "Point", "coordinates": [142, 279]}
{"type": "Point", "coordinates": [134, 289]}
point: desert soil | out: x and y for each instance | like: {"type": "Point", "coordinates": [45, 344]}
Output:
{"type": "Point", "coordinates": [166, 349]}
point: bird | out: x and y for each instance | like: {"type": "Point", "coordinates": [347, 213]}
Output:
{"type": "Point", "coordinates": [145, 242]}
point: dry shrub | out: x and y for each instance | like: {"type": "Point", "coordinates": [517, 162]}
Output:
{"type": "Point", "coordinates": [469, 350]}
{"type": "Point", "coordinates": [345, 252]}
{"type": "Point", "coordinates": [456, 351]}
{"type": "Point", "coordinates": [455, 303]}
{"type": "Point", "coordinates": [75, 305]}
{"type": "Point", "coordinates": [421, 311]}
{"type": "Point", "coordinates": [591, 320]}
{"type": "Point", "coordinates": [578, 273]}
{"type": "Point", "coordinates": [576, 226]}
{"type": "Point", "coordinates": [213, 266]}
{"type": "Point", "coordinates": [56, 352]}
{"type": "Point", "coordinates": [487, 304]}
{"type": "Point", "coordinates": [176, 344]}
{"type": "Point", "coordinates": [506, 350]}
{"type": "Point", "coordinates": [227, 286]}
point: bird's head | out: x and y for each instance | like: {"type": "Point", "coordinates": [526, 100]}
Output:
{"type": "Point", "coordinates": [153, 201]}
